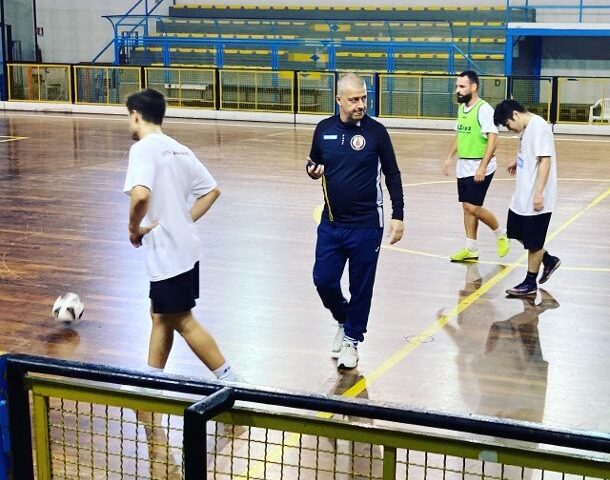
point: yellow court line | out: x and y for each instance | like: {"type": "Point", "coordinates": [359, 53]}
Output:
{"type": "Point", "coordinates": [386, 365]}
{"type": "Point", "coordinates": [275, 455]}
{"type": "Point", "coordinates": [576, 216]}
{"type": "Point", "coordinates": [292, 440]}
{"type": "Point", "coordinates": [440, 322]}
{"type": "Point", "coordinates": [8, 138]}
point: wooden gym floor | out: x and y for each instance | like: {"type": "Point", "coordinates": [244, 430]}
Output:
{"type": "Point", "coordinates": [441, 336]}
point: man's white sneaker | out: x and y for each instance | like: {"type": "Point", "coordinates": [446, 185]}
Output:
{"type": "Point", "coordinates": [348, 358]}
{"type": "Point", "coordinates": [337, 342]}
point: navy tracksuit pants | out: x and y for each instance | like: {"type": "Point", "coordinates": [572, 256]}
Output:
{"type": "Point", "coordinates": [335, 246]}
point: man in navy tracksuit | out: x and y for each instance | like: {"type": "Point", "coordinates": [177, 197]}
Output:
{"type": "Point", "coordinates": [349, 152]}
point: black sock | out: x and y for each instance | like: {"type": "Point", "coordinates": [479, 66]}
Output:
{"type": "Point", "coordinates": [546, 258]}
{"type": "Point", "coordinates": [531, 277]}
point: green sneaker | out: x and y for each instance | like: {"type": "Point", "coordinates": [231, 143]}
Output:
{"type": "Point", "coordinates": [503, 245]}
{"type": "Point", "coordinates": [464, 255]}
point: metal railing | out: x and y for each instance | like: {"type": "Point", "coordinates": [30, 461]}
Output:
{"type": "Point", "coordinates": [105, 85]}
{"type": "Point", "coordinates": [39, 83]}
{"type": "Point", "coordinates": [184, 87]}
{"type": "Point", "coordinates": [578, 100]}
{"type": "Point", "coordinates": [121, 23]}
{"type": "Point", "coordinates": [316, 92]}
{"type": "Point", "coordinates": [431, 97]}
{"type": "Point", "coordinates": [577, 96]}
{"type": "Point", "coordinates": [324, 49]}
{"type": "Point", "coordinates": [564, 9]}
{"type": "Point", "coordinates": [262, 91]}
{"type": "Point", "coordinates": [323, 55]}
{"type": "Point", "coordinates": [86, 426]}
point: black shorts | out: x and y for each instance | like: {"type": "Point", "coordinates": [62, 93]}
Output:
{"type": "Point", "coordinates": [176, 294]}
{"type": "Point", "coordinates": [473, 192]}
{"type": "Point", "coordinates": [528, 229]}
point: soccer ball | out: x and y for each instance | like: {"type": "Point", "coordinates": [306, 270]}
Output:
{"type": "Point", "coordinates": [68, 308]}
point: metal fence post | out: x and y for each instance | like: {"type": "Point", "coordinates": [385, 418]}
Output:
{"type": "Point", "coordinates": [196, 418]}
{"type": "Point", "coordinates": [19, 414]}
{"type": "Point", "coordinates": [5, 446]}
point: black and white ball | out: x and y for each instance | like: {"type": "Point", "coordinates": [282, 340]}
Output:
{"type": "Point", "coordinates": [68, 308]}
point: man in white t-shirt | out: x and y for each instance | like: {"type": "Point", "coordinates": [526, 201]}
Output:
{"type": "Point", "coordinates": [170, 190]}
{"type": "Point", "coordinates": [535, 194]}
{"type": "Point", "coordinates": [475, 145]}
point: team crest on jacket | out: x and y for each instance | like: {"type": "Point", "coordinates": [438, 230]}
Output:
{"type": "Point", "coordinates": [357, 142]}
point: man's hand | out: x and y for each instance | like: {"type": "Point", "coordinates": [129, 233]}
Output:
{"type": "Point", "coordinates": [479, 175]}
{"type": "Point", "coordinates": [512, 168]}
{"type": "Point", "coordinates": [397, 229]}
{"type": "Point", "coordinates": [135, 237]}
{"type": "Point", "coordinates": [538, 202]}
{"type": "Point", "coordinates": [445, 166]}
{"type": "Point", "coordinates": [314, 170]}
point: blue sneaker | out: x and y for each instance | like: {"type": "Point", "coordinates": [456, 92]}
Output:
{"type": "Point", "coordinates": [523, 289]}
{"type": "Point", "coordinates": [548, 270]}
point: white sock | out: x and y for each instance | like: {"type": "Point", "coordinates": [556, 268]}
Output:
{"type": "Point", "coordinates": [351, 340]}
{"type": "Point", "coordinates": [471, 244]}
{"type": "Point", "coordinates": [224, 372]}
{"type": "Point", "coordinates": [499, 232]}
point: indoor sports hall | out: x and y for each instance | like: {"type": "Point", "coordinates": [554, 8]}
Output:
{"type": "Point", "coordinates": [455, 379]}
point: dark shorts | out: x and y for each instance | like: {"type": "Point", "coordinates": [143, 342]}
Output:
{"type": "Point", "coordinates": [528, 229]}
{"type": "Point", "coordinates": [176, 294]}
{"type": "Point", "coordinates": [473, 192]}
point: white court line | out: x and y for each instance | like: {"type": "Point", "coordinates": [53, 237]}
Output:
{"type": "Point", "coordinates": [285, 126]}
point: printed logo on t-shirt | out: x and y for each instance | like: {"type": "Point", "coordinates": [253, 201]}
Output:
{"type": "Point", "coordinates": [357, 142]}
{"type": "Point", "coordinates": [173, 152]}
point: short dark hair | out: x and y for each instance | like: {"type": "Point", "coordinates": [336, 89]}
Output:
{"type": "Point", "coordinates": [505, 109]}
{"type": "Point", "coordinates": [472, 76]}
{"type": "Point", "coordinates": [149, 103]}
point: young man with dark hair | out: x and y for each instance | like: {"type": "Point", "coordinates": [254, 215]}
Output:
{"type": "Point", "coordinates": [162, 178]}
{"type": "Point", "coordinates": [475, 144]}
{"type": "Point", "coordinates": [349, 152]}
{"type": "Point", "coordinates": [535, 193]}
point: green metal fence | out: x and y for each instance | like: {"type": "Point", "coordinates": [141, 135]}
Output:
{"type": "Point", "coordinates": [89, 432]}
{"type": "Point", "coordinates": [427, 96]}
{"type": "Point", "coordinates": [535, 93]}
{"type": "Point", "coordinates": [574, 100]}
{"type": "Point", "coordinates": [316, 92]}
{"type": "Point", "coordinates": [39, 83]}
{"type": "Point", "coordinates": [105, 85]}
{"type": "Point", "coordinates": [580, 100]}
{"type": "Point", "coordinates": [184, 87]}
{"type": "Point", "coordinates": [263, 91]}
{"type": "Point", "coordinates": [86, 426]}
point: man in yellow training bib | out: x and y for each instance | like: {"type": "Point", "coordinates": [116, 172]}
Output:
{"type": "Point", "coordinates": [475, 145]}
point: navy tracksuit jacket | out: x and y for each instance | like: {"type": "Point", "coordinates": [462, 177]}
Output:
{"type": "Point", "coordinates": [354, 157]}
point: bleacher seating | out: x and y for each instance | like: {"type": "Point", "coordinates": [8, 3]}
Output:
{"type": "Point", "coordinates": [271, 12]}
{"type": "Point", "coordinates": [423, 37]}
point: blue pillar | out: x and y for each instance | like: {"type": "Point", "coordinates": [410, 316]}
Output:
{"type": "Point", "coordinates": [508, 55]}
{"type": "Point", "coordinates": [219, 54]}
{"type": "Point", "coordinates": [537, 56]}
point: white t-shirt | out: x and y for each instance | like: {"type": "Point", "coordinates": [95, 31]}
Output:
{"type": "Point", "coordinates": [536, 141]}
{"type": "Point", "coordinates": [467, 168]}
{"type": "Point", "coordinates": [175, 177]}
